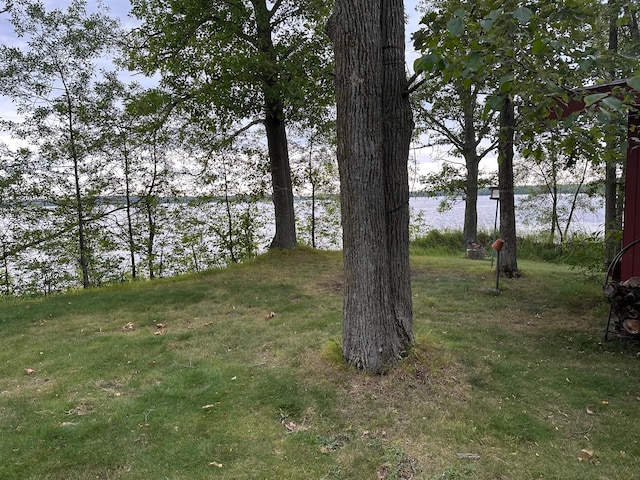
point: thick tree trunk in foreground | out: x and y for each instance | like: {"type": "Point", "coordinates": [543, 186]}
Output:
{"type": "Point", "coordinates": [508, 255]}
{"type": "Point", "coordinates": [373, 127]}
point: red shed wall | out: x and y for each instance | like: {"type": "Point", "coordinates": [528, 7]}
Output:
{"type": "Point", "coordinates": [630, 262]}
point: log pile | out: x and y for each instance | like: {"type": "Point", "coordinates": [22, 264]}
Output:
{"type": "Point", "coordinates": [625, 304]}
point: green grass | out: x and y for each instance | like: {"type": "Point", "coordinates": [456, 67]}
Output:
{"type": "Point", "coordinates": [246, 382]}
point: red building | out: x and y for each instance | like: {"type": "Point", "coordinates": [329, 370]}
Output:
{"type": "Point", "coordinates": [630, 261]}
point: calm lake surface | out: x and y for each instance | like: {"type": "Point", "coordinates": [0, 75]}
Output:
{"type": "Point", "coordinates": [583, 221]}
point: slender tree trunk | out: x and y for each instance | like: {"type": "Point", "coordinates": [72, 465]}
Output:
{"type": "Point", "coordinates": [150, 201]}
{"type": "Point", "coordinates": [79, 201]}
{"type": "Point", "coordinates": [312, 182]}
{"type": "Point", "coordinates": [127, 186]}
{"type": "Point", "coordinates": [227, 203]}
{"type": "Point", "coordinates": [368, 38]}
{"type": "Point", "coordinates": [508, 255]}
{"type": "Point", "coordinates": [151, 205]}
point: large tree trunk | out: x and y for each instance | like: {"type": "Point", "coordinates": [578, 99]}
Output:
{"type": "Point", "coordinates": [472, 162]}
{"type": "Point", "coordinates": [285, 220]}
{"type": "Point", "coordinates": [470, 230]}
{"type": "Point", "coordinates": [508, 255]}
{"type": "Point", "coordinates": [373, 132]}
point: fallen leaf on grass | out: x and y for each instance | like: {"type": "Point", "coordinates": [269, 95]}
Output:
{"type": "Point", "coordinates": [29, 371]}
{"type": "Point", "coordinates": [589, 411]}
{"type": "Point", "coordinates": [129, 327]}
{"type": "Point", "coordinates": [215, 464]}
{"type": "Point", "coordinates": [269, 315]}
{"type": "Point", "coordinates": [159, 332]}
{"type": "Point", "coordinates": [161, 325]}
{"type": "Point", "coordinates": [585, 455]}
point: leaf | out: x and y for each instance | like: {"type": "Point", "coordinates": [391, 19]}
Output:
{"type": "Point", "coordinates": [634, 83]}
{"type": "Point", "coordinates": [426, 63]}
{"type": "Point", "coordinates": [523, 14]}
{"type": "Point", "coordinates": [613, 103]}
{"type": "Point", "coordinates": [593, 98]}
{"type": "Point", "coordinates": [455, 26]}
{"type": "Point", "coordinates": [538, 46]}
{"type": "Point", "coordinates": [215, 464]}
{"type": "Point", "coordinates": [585, 455]}
{"type": "Point", "coordinates": [29, 371]}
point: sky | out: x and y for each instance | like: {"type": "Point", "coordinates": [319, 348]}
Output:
{"type": "Point", "coordinates": [120, 9]}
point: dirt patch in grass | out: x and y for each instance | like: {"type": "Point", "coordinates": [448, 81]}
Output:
{"type": "Point", "coordinates": [333, 284]}
{"type": "Point", "coordinates": [427, 376]}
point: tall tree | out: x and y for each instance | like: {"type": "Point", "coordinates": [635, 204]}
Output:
{"type": "Point", "coordinates": [374, 126]}
{"type": "Point", "coordinates": [623, 41]}
{"type": "Point", "coordinates": [523, 54]}
{"type": "Point", "coordinates": [451, 105]}
{"type": "Point", "coordinates": [239, 64]}
{"type": "Point", "coordinates": [51, 80]}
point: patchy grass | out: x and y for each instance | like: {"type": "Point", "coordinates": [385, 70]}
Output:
{"type": "Point", "coordinates": [236, 374]}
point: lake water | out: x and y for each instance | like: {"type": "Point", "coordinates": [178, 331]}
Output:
{"type": "Point", "coordinates": [584, 221]}
{"type": "Point", "coordinates": [182, 243]}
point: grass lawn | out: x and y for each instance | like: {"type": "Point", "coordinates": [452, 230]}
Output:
{"type": "Point", "coordinates": [236, 374]}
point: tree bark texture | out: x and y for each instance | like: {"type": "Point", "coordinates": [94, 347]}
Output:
{"type": "Point", "coordinates": [374, 126]}
{"type": "Point", "coordinates": [285, 220]}
{"type": "Point", "coordinates": [472, 162]}
{"type": "Point", "coordinates": [470, 230]}
{"type": "Point", "coordinates": [508, 255]}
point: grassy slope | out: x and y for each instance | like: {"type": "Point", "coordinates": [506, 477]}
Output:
{"type": "Point", "coordinates": [245, 382]}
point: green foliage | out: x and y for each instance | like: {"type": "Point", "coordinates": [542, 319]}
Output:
{"type": "Point", "coordinates": [220, 62]}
